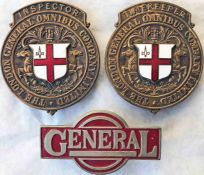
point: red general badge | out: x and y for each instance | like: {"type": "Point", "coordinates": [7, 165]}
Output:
{"type": "Point", "coordinates": [100, 143]}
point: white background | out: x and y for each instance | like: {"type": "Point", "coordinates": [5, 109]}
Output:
{"type": "Point", "coordinates": [182, 125]}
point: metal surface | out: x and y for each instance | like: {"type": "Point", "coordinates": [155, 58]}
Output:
{"type": "Point", "coordinates": [154, 58]}
{"type": "Point", "coordinates": [100, 143]}
{"type": "Point", "coordinates": [50, 59]}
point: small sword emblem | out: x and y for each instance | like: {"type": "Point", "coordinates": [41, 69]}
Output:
{"type": "Point", "coordinates": [40, 53]}
{"type": "Point", "coordinates": [145, 53]}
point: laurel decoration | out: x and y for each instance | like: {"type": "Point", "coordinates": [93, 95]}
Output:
{"type": "Point", "coordinates": [144, 85]}
{"type": "Point", "coordinates": [42, 87]}
{"type": "Point", "coordinates": [26, 73]}
{"type": "Point", "coordinates": [143, 35]}
{"type": "Point", "coordinates": [65, 35]}
{"type": "Point", "coordinates": [39, 89]}
{"type": "Point", "coordinates": [34, 36]}
{"type": "Point", "coordinates": [38, 35]}
{"type": "Point", "coordinates": [64, 86]}
{"type": "Point", "coordinates": [146, 32]}
{"type": "Point", "coordinates": [139, 36]}
{"type": "Point", "coordinates": [168, 36]}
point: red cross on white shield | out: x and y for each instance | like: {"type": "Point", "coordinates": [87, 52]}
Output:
{"type": "Point", "coordinates": [49, 61]}
{"type": "Point", "coordinates": [155, 60]}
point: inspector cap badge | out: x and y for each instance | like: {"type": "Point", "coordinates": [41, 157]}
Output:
{"type": "Point", "coordinates": [50, 59]}
{"type": "Point", "coordinates": [154, 58]}
{"type": "Point", "coordinates": [100, 143]}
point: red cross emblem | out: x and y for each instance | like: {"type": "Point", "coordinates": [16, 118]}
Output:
{"type": "Point", "coordinates": [50, 61]}
{"type": "Point", "coordinates": [155, 60]}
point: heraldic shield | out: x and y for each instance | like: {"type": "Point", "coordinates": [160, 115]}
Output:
{"type": "Point", "coordinates": [53, 56]}
{"type": "Point", "coordinates": [50, 61]}
{"type": "Point", "coordinates": [155, 60]}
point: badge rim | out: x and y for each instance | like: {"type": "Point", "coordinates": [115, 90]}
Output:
{"type": "Point", "coordinates": [86, 26]}
{"type": "Point", "coordinates": [118, 24]}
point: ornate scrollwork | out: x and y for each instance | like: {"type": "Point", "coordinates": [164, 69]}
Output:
{"type": "Point", "coordinates": [145, 36]}
{"type": "Point", "coordinates": [43, 35]}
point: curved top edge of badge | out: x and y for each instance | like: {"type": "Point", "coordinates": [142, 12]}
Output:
{"type": "Point", "coordinates": [122, 14]}
{"type": "Point", "coordinates": [123, 17]}
{"type": "Point", "coordinates": [97, 112]}
{"type": "Point", "coordinates": [83, 17]}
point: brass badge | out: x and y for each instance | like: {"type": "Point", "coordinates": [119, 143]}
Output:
{"type": "Point", "coordinates": [154, 58]}
{"type": "Point", "coordinates": [50, 59]}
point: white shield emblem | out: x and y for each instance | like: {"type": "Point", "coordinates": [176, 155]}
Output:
{"type": "Point", "coordinates": [49, 61]}
{"type": "Point", "coordinates": [155, 60]}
